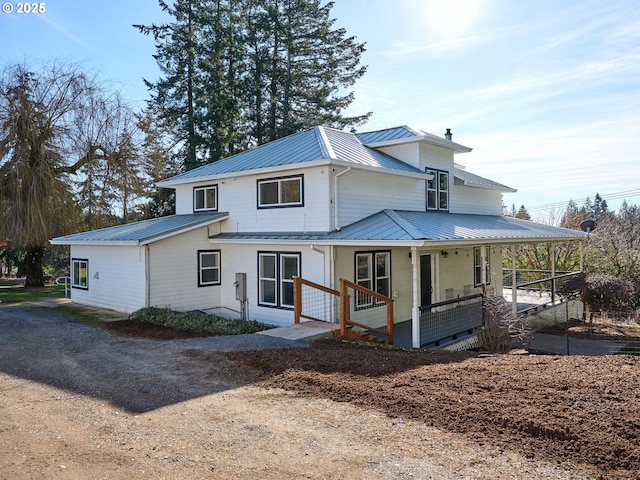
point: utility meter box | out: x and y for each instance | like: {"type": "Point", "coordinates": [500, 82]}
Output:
{"type": "Point", "coordinates": [241, 286]}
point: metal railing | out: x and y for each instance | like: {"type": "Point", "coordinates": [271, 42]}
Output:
{"type": "Point", "coordinates": [67, 284]}
{"type": "Point", "coordinates": [534, 288]}
{"type": "Point", "coordinates": [449, 320]}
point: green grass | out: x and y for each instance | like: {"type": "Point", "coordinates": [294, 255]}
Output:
{"type": "Point", "coordinates": [197, 321]}
{"type": "Point", "coordinates": [19, 293]}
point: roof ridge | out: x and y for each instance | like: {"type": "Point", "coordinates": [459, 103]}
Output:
{"type": "Point", "coordinates": [402, 223]}
{"type": "Point", "coordinates": [324, 143]}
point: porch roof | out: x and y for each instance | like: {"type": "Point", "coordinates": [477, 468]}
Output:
{"type": "Point", "coordinates": [452, 227]}
{"type": "Point", "coordinates": [421, 229]}
{"type": "Point", "coordinates": [143, 232]}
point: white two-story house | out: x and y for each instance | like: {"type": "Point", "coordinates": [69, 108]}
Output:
{"type": "Point", "coordinates": [389, 210]}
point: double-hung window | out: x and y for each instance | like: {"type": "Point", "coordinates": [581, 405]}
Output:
{"type": "Point", "coordinates": [275, 278]}
{"type": "Point", "coordinates": [373, 271]}
{"type": "Point", "coordinates": [208, 268]}
{"type": "Point", "coordinates": [438, 190]}
{"type": "Point", "coordinates": [80, 273]}
{"type": "Point", "coordinates": [478, 265]}
{"type": "Point", "coordinates": [281, 192]}
{"type": "Point", "coordinates": [205, 199]}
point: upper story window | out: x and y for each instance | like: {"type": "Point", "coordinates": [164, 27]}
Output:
{"type": "Point", "coordinates": [438, 190]}
{"type": "Point", "coordinates": [280, 192]}
{"type": "Point", "coordinates": [79, 273]}
{"type": "Point", "coordinates": [205, 199]}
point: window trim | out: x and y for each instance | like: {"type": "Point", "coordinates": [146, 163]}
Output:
{"type": "Point", "coordinates": [437, 174]}
{"type": "Point", "coordinates": [374, 278]}
{"type": "Point", "coordinates": [477, 269]}
{"type": "Point", "coordinates": [279, 181]}
{"type": "Point", "coordinates": [204, 188]}
{"type": "Point", "coordinates": [202, 283]}
{"type": "Point", "coordinates": [79, 286]}
{"type": "Point", "coordinates": [280, 282]}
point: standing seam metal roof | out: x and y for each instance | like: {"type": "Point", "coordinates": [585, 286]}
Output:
{"type": "Point", "coordinates": [144, 231]}
{"type": "Point", "coordinates": [317, 143]}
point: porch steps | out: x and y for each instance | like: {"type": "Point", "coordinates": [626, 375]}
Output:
{"type": "Point", "coordinates": [359, 336]}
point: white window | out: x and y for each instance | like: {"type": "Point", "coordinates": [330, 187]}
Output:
{"type": "Point", "coordinates": [373, 271]}
{"type": "Point", "coordinates": [438, 190]}
{"type": "Point", "coordinates": [477, 266]}
{"type": "Point", "coordinates": [275, 278]}
{"type": "Point", "coordinates": [80, 273]}
{"type": "Point", "coordinates": [208, 268]}
{"type": "Point", "coordinates": [205, 198]}
{"type": "Point", "coordinates": [280, 192]}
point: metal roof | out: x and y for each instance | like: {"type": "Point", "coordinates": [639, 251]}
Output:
{"type": "Point", "coordinates": [140, 233]}
{"type": "Point", "coordinates": [318, 143]}
{"type": "Point", "coordinates": [425, 227]}
{"type": "Point", "coordinates": [406, 134]}
{"type": "Point", "coordinates": [442, 226]}
{"type": "Point", "coordinates": [462, 177]}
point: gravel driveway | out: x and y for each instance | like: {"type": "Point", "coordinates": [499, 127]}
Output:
{"type": "Point", "coordinates": [50, 346]}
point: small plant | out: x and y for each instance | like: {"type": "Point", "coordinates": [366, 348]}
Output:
{"type": "Point", "coordinates": [501, 329]}
{"type": "Point", "coordinates": [198, 321]}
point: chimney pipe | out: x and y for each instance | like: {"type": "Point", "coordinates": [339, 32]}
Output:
{"type": "Point", "coordinates": [448, 134]}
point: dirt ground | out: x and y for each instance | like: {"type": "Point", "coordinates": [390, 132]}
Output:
{"type": "Point", "coordinates": [333, 410]}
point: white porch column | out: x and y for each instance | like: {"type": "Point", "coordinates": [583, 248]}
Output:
{"type": "Point", "coordinates": [514, 290]}
{"type": "Point", "coordinates": [415, 310]}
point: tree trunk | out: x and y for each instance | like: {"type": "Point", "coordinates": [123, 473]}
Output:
{"type": "Point", "coordinates": [33, 266]}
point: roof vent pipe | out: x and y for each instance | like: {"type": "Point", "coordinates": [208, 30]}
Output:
{"type": "Point", "coordinates": [448, 134]}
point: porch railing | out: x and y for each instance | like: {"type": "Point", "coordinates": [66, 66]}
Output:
{"type": "Point", "coordinates": [314, 301]}
{"type": "Point", "coordinates": [534, 288]}
{"type": "Point", "coordinates": [371, 314]}
{"type": "Point", "coordinates": [449, 320]}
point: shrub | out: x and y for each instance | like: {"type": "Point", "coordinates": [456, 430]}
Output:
{"type": "Point", "coordinates": [197, 321]}
{"type": "Point", "coordinates": [501, 329]}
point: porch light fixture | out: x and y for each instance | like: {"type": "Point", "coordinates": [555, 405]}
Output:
{"type": "Point", "coordinates": [444, 253]}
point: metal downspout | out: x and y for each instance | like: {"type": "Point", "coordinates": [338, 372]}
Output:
{"type": "Point", "coordinates": [514, 283]}
{"type": "Point", "coordinates": [147, 283]}
{"type": "Point", "coordinates": [336, 224]}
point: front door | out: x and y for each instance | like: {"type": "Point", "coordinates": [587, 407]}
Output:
{"type": "Point", "coordinates": [426, 287]}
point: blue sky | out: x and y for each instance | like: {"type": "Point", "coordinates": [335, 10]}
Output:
{"type": "Point", "coordinates": [547, 93]}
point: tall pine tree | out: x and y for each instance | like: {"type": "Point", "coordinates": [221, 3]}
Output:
{"type": "Point", "coordinates": [236, 73]}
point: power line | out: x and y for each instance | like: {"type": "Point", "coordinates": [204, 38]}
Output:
{"type": "Point", "coordinates": [611, 196]}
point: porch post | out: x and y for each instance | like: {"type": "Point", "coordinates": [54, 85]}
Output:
{"type": "Point", "coordinates": [415, 310]}
{"type": "Point", "coordinates": [553, 273]}
{"type": "Point", "coordinates": [514, 282]}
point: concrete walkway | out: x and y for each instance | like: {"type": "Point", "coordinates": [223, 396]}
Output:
{"type": "Point", "coordinates": [305, 331]}
{"type": "Point", "coordinates": [557, 344]}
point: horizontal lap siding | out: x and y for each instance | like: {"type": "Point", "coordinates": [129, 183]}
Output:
{"type": "Point", "coordinates": [238, 196]}
{"type": "Point", "coordinates": [471, 200]}
{"type": "Point", "coordinates": [361, 194]}
{"type": "Point", "coordinates": [244, 259]}
{"type": "Point", "coordinates": [173, 269]}
{"type": "Point", "coordinates": [120, 285]}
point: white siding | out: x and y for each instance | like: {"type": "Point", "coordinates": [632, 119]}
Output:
{"type": "Point", "coordinates": [361, 194]}
{"type": "Point", "coordinates": [436, 157]}
{"type": "Point", "coordinates": [116, 277]}
{"type": "Point", "coordinates": [173, 273]}
{"type": "Point", "coordinates": [238, 196]}
{"type": "Point", "coordinates": [473, 200]}
{"type": "Point", "coordinates": [244, 259]}
{"type": "Point", "coordinates": [408, 153]}
{"type": "Point", "coordinates": [401, 276]}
